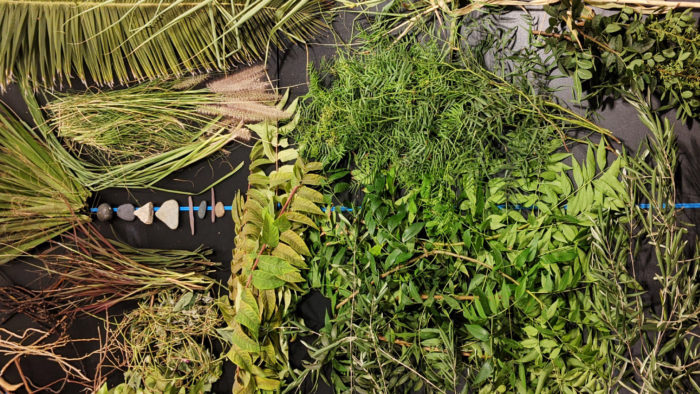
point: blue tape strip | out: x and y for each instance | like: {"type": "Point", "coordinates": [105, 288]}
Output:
{"type": "Point", "coordinates": [228, 208]}
{"type": "Point", "coordinates": [517, 207]}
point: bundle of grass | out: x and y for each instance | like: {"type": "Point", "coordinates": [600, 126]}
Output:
{"type": "Point", "coordinates": [128, 125]}
{"type": "Point", "coordinates": [93, 273]}
{"type": "Point", "coordinates": [146, 172]}
{"type": "Point", "coordinates": [165, 345]}
{"type": "Point", "coordinates": [119, 41]}
{"type": "Point", "coordinates": [39, 199]}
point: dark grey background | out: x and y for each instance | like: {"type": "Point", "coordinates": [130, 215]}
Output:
{"type": "Point", "coordinates": [287, 69]}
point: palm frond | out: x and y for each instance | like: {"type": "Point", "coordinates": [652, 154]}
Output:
{"type": "Point", "coordinates": [48, 42]}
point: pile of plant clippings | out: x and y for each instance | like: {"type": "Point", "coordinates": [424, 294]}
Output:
{"type": "Point", "coordinates": [468, 230]}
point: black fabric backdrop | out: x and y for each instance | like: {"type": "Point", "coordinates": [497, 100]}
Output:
{"type": "Point", "coordinates": [289, 70]}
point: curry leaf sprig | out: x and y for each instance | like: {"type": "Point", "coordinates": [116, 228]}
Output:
{"type": "Point", "coordinates": [502, 302]}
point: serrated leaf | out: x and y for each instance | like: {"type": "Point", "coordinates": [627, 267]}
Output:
{"type": "Point", "coordinates": [287, 155]}
{"type": "Point", "coordinates": [263, 161]}
{"type": "Point", "coordinates": [258, 179]}
{"type": "Point", "coordinates": [312, 179]}
{"type": "Point", "coordinates": [601, 155]}
{"type": "Point", "coordinates": [313, 166]}
{"type": "Point", "coordinates": [295, 242]}
{"type": "Point", "coordinates": [590, 164]}
{"type": "Point", "coordinates": [288, 254]}
{"type": "Point", "coordinates": [274, 265]}
{"type": "Point", "coordinates": [280, 178]}
{"type": "Point", "coordinates": [310, 194]}
{"type": "Point", "coordinates": [292, 277]}
{"type": "Point", "coordinates": [270, 233]}
{"type": "Point", "coordinates": [530, 331]}
{"type": "Point", "coordinates": [266, 281]}
{"type": "Point", "coordinates": [300, 218]}
{"type": "Point", "coordinates": [247, 311]}
{"type": "Point", "coordinates": [300, 204]}
{"type": "Point", "coordinates": [576, 170]}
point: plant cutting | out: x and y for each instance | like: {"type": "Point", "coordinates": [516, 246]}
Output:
{"type": "Point", "coordinates": [499, 304]}
{"type": "Point", "coordinates": [436, 122]}
{"type": "Point", "coordinates": [653, 331]}
{"type": "Point", "coordinates": [93, 274]}
{"type": "Point", "coordinates": [165, 345]}
{"type": "Point", "coordinates": [272, 223]}
{"type": "Point", "coordinates": [406, 18]}
{"type": "Point", "coordinates": [39, 197]}
{"type": "Point", "coordinates": [35, 343]}
{"type": "Point", "coordinates": [115, 127]}
{"type": "Point", "coordinates": [610, 55]}
{"type": "Point", "coordinates": [117, 42]}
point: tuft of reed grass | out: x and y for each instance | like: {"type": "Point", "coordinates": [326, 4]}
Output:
{"type": "Point", "coordinates": [128, 125]}
{"type": "Point", "coordinates": [93, 273]}
{"type": "Point", "coordinates": [39, 197]}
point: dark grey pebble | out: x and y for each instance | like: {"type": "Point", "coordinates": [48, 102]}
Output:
{"type": "Point", "coordinates": [202, 213]}
{"type": "Point", "coordinates": [104, 212]}
{"type": "Point", "coordinates": [126, 212]}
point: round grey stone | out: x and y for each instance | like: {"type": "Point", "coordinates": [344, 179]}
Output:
{"type": "Point", "coordinates": [202, 212]}
{"type": "Point", "coordinates": [126, 212]}
{"type": "Point", "coordinates": [104, 212]}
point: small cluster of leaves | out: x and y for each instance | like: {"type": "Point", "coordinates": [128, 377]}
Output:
{"type": "Point", "coordinates": [167, 345]}
{"type": "Point", "coordinates": [280, 208]}
{"type": "Point", "coordinates": [500, 303]}
{"type": "Point", "coordinates": [627, 51]}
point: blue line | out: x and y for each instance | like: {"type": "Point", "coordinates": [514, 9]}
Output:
{"type": "Point", "coordinates": [517, 207]}
{"type": "Point", "coordinates": [227, 208]}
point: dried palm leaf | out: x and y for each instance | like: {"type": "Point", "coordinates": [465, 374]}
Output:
{"type": "Point", "coordinates": [108, 41]}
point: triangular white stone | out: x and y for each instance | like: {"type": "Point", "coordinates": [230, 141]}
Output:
{"type": "Point", "coordinates": [169, 213]}
{"type": "Point", "coordinates": [145, 213]}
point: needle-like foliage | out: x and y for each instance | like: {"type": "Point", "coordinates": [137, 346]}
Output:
{"type": "Point", "coordinates": [39, 199]}
{"type": "Point", "coordinates": [116, 41]}
{"type": "Point", "coordinates": [406, 105]}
